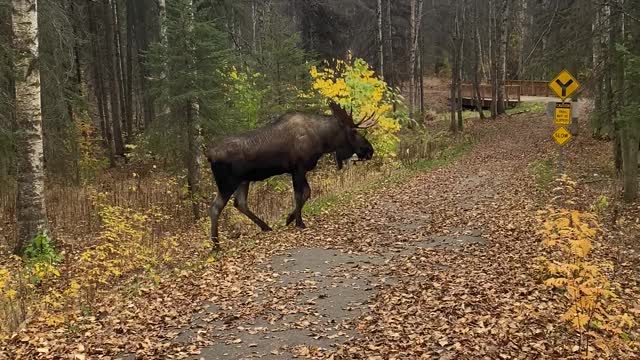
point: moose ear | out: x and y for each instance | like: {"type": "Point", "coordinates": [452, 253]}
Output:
{"type": "Point", "coordinates": [341, 114]}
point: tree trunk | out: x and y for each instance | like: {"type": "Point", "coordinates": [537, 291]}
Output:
{"type": "Point", "coordinates": [416, 17]}
{"type": "Point", "coordinates": [421, 73]}
{"type": "Point", "coordinates": [630, 162]}
{"type": "Point", "coordinates": [611, 108]}
{"type": "Point", "coordinates": [628, 132]}
{"type": "Point", "coordinates": [477, 59]}
{"type": "Point", "coordinates": [492, 58]}
{"type": "Point", "coordinates": [254, 27]}
{"type": "Point", "coordinates": [75, 87]}
{"type": "Point", "coordinates": [112, 66]}
{"type": "Point", "coordinates": [31, 212]}
{"type": "Point", "coordinates": [162, 19]}
{"type": "Point", "coordinates": [128, 86]}
{"type": "Point", "coordinates": [481, 57]}
{"type": "Point", "coordinates": [502, 66]}
{"type": "Point", "coordinates": [453, 126]}
{"type": "Point", "coordinates": [460, 30]}
{"type": "Point", "coordinates": [120, 65]}
{"type": "Point", "coordinates": [391, 72]}
{"type": "Point", "coordinates": [7, 86]}
{"type": "Point", "coordinates": [596, 50]}
{"type": "Point", "coordinates": [193, 154]}
{"type": "Point", "coordinates": [380, 38]}
{"type": "Point", "coordinates": [97, 67]}
{"type": "Point", "coordinates": [142, 44]}
{"type": "Point", "coordinates": [522, 24]}
{"type": "Point", "coordinates": [194, 142]}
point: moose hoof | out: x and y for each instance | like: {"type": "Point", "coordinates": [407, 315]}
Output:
{"type": "Point", "coordinates": [216, 245]}
{"type": "Point", "coordinates": [290, 219]}
{"type": "Point", "coordinates": [266, 228]}
{"type": "Point", "coordinates": [301, 225]}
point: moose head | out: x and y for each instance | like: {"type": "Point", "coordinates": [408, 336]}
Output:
{"type": "Point", "coordinates": [355, 142]}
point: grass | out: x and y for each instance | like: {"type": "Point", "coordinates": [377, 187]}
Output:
{"type": "Point", "coordinates": [324, 203]}
{"type": "Point", "coordinates": [394, 176]}
{"type": "Point", "coordinates": [448, 155]}
{"type": "Point", "coordinates": [522, 107]}
{"type": "Point", "coordinates": [528, 107]}
{"type": "Point", "coordinates": [544, 172]}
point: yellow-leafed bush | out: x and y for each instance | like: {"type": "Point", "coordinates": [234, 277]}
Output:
{"type": "Point", "coordinates": [354, 86]}
{"type": "Point", "coordinates": [593, 307]}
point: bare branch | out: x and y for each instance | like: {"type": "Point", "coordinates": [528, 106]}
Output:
{"type": "Point", "coordinates": [544, 33]}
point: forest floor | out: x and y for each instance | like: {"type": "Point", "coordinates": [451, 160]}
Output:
{"type": "Point", "coordinates": [436, 266]}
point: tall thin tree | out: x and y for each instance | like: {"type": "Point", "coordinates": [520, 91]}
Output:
{"type": "Point", "coordinates": [31, 211]}
{"type": "Point", "coordinates": [380, 38]}
{"type": "Point", "coordinates": [502, 57]}
{"type": "Point", "coordinates": [113, 65]}
{"type": "Point", "coordinates": [416, 19]}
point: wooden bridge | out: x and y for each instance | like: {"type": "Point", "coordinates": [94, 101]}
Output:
{"type": "Point", "coordinates": [513, 92]}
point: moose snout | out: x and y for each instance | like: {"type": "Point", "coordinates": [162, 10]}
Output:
{"type": "Point", "coordinates": [366, 154]}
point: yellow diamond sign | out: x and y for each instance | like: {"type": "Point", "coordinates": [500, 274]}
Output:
{"type": "Point", "coordinates": [564, 84]}
{"type": "Point", "coordinates": [561, 135]}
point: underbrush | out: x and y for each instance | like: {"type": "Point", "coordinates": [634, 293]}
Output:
{"type": "Point", "coordinates": [544, 172]}
{"type": "Point", "coordinates": [594, 304]}
{"type": "Point", "coordinates": [135, 227]}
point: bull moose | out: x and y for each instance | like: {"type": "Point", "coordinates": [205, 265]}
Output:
{"type": "Point", "coordinates": [291, 144]}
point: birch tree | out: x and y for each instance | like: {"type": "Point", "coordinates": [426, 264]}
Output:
{"type": "Point", "coordinates": [455, 98]}
{"type": "Point", "coordinates": [390, 73]}
{"type": "Point", "coordinates": [416, 18]}
{"type": "Point", "coordinates": [501, 73]}
{"type": "Point", "coordinates": [31, 211]}
{"type": "Point", "coordinates": [380, 39]}
{"type": "Point", "coordinates": [194, 141]}
{"type": "Point", "coordinates": [477, 59]}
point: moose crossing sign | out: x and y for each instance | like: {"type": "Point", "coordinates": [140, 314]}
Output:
{"type": "Point", "coordinates": [564, 85]}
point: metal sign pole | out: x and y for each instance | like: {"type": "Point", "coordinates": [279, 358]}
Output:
{"type": "Point", "coordinates": [560, 161]}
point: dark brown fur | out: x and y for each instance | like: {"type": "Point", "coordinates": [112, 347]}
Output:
{"type": "Point", "coordinates": [291, 144]}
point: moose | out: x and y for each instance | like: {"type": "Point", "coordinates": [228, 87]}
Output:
{"type": "Point", "coordinates": [291, 144]}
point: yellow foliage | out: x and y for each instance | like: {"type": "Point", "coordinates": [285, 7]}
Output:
{"type": "Point", "coordinates": [594, 309]}
{"type": "Point", "coordinates": [125, 247]}
{"type": "Point", "coordinates": [353, 85]}
{"type": "Point", "coordinates": [54, 320]}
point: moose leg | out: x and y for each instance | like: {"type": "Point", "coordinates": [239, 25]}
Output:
{"type": "Point", "coordinates": [240, 202]}
{"type": "Point", "coordinates": [302, 192]}
{"type": "Point", "coordinates": [216, 208]}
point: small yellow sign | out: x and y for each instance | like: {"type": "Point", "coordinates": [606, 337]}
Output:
{"type": "Point", "coordinates": [561, 136]}
{"type": "Point", "coordinates": [564, 84]}
{"type": "Point", "coordinates": [562, 114]}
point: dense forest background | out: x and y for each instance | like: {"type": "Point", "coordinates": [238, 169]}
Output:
{"type": "Point", "coordinates": [104, 87]}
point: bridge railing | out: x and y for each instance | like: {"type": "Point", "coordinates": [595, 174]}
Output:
{"type": "Point", "coordinates": [532, 87]}
{"type": "Point", "coordinates": [511, 92]}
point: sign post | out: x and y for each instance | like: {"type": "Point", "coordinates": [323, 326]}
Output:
{"type": "Point", "coordinates": [563, 86]}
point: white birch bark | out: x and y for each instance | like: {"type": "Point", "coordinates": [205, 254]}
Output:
{"type": "Point", "coordinates": [380, 39]}
{"type": "Point", "coordinates": [416, 17]}
{"type": "Point", "coordinates": [31, 210]}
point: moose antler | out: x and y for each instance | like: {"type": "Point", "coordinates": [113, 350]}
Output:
{"type": "Point", "coordinates": [367, 121]}
{"type": "Point", "coordinates": [341, 113]}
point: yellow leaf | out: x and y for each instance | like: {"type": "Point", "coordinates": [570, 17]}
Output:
{"type": "Point", "coordinates": [54, 320]}
{"type": "Point", "coordinates": [580, 320]}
